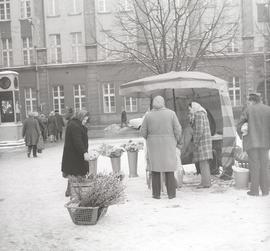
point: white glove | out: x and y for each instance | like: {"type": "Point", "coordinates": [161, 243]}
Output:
{"type": "Point", "coordinates": [86, 156]}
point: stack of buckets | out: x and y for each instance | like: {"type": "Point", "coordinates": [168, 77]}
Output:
{"type": "Point", "coordinates": [241, 176]}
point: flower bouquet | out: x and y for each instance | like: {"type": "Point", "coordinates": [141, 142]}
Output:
{"type": "Point", "coordinates": [132, 149]}
{"type": "Point", "coordinates": [133, 146]}
{"type": "Point", "coordinates": [112, 151]}
{"type": "Point", "coordinates": [94, 154]}
{"type": "Point", "coordinates": [92, 196]}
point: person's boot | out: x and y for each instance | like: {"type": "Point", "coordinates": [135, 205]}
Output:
{"type": "Point", "coordinates": [29, 151]}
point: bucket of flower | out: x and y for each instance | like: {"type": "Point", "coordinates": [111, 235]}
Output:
{"type": "Point", "coordinates": [114, 153]}
{"type": "Point", "coordinates": [92, 196]}
{"type": "Point", "coordinates": [132, 148]}
{"type": "Point", "coordinates": [94, 154]}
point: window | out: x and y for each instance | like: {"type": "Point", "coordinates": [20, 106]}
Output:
{"type": "Point", "coordinates": [79, 97]}
{"type": "Point", "coordinates": [75, 8]}
{"type": "Point", "coordinates": [58, 98]}
{"type": "Point", "coordinates": [235, 91]}
{"type": "Point", "coordinates": [263, 10]}
{"type": "Point", "coordinates": [25, 9]}
{"type": "Point", "coordinates": [27, 51]}
{"type": "Point", "coordinates": [76, 46]}
{"type": "Point", "coordinates": [131, 104]}
{"type": "Point", "coordinates": [55, 48]}
{"type": "Point", "coordinates": [109, 105]}
{"type": "Point", "coordinates": [30, 100]}
{"type": "Point", "coordinates": [53, 7]}
{"type": "Point", "coordinates": [233, 46]}
{"type": "Point", "coordinates": [4, 9]}
{"type": "Point", "coordinates": [101, 5]}
{"type": "Point", "coordinates": [7, 52]}
{"type": "Point", "coordinates": [125, 5]}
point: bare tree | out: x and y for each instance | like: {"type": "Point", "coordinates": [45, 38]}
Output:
{"type": "Point", "coordinates": [167, 35]}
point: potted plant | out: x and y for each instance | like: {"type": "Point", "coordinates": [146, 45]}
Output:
{"type": "Point", "coordinates": [92, 196]}
{"type": "Point", "coordinates": [94, 154]}
{"type": "Point", "coordinates": [132, 148]}
{"type": "Point", "coordinates": [114, 153]}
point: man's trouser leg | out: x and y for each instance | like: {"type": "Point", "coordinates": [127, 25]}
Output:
{"type": "Point", "coordinates": [254, 168]}
{"type": "Point", "coordinates": [35, 150]}
{"type": "Point", "coordinates": [264, 162]}
{"type": "Point", "coordinates": [170, 184]}
{"type": "Point", "coordinates": [156, 186]}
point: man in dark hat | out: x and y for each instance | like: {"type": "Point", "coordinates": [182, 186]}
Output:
{"type": "Point", "coordinates": [256, 142]}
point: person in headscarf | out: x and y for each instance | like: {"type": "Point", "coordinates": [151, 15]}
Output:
{"type": "Point", "coordinates": [162, 132]}
{"type": "Point", "coordinates": [202, 143]}
{"type": "Point", "coordinates": [75, 154]}
{"type": "Point", "coordinates": [30, 133]}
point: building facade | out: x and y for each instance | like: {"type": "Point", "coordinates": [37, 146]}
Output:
{"type": "Point", "coordinates": [60, 52]}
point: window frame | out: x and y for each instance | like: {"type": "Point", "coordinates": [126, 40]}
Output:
{"type": "Point", "coordinates": [25, 9]}
{"type": "Point", "coordinates": [77, 46]}
{"type": "Point", "coordinates": [109, 95]}
{"type": "Point", "coordinates": [55, 50]}
{"type": "Point", "coordinates": [5, 6]}
{"type": "Point", "coordinates": [7, 52]}
{"type": "Point", "coordinates": [59, 100]}
{"type": "Point", "coordinates": [102, 6]}
{"type": "Point", "coordinates": [32, 100]}
{"type": "Point", "coordinates": [132, 109]}
{"type": "Point", "coordinates": [81, 95]}
{"type": "Point", "coordinates": [235, 102]}
{"type": "Point", "coordinates": [28, 51]}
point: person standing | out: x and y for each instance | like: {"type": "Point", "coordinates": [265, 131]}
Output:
{"type": "Point", "coordinates": [256, 142]}
{"type": "Point", "coordinates": [52, 127]}
{"type": "Point", "coordinates": [123, 117]}
{"type": "Point", "coordinates": [202, 143]}
{"type": "Point", "coordinates": [75, 154]}
{"type": "Point", "coordinates": [162, 132]}
{"type": "Point", "coordinates": [60, 124]}
{"type": "Point", "coordinates": [30, 133]}
{"type": "Point", "coordinates": [44, 121]}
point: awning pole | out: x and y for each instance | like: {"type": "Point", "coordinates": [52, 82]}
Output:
{"type": "Point", "coordinates": [174, 101]}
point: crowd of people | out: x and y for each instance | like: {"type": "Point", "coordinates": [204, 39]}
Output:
{"type": "Point", "coordinates": [37, 129]}
{"type": "Point", "coordinates": [166, 142]}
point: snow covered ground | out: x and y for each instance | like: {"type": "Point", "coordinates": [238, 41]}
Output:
{"type": "Point", "coordinates": [33, 216]}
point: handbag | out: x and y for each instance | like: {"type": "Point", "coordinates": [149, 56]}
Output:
{"type": "Point", "coordinates": [40, 144]}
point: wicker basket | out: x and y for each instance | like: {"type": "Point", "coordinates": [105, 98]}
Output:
{"type": "Point", "coordinates": [84, 215]}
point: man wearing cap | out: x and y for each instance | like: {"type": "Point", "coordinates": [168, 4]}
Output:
{"type": "Point", "coordinates": [256, 142]}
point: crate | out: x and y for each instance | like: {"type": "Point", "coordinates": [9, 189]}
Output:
{"type": "Point", "coordinates": [85, 215]}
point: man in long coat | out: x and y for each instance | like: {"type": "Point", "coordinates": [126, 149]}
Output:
{"type": "Point", "coordinates": [257, 143]}
{"type": "Point", "coordinates": [30, 133]}
{"type": "Point", "coordinates": [162, 132]}
{"type": "Point", "coordinates": [60, 124]}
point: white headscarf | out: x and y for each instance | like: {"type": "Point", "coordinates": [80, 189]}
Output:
{"type": "Point", "coordinates": [158, 102]}
{"type": "Point", "coordinates": [196, 107]}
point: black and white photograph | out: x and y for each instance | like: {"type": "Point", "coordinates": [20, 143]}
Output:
{"type": "Point", "coordinates": [134, 125]}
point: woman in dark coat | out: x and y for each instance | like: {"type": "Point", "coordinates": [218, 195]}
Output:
{"type": "Point", "coordinates": [75, 155]}
{"type": "Point", "coordinates": [30, 133]}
